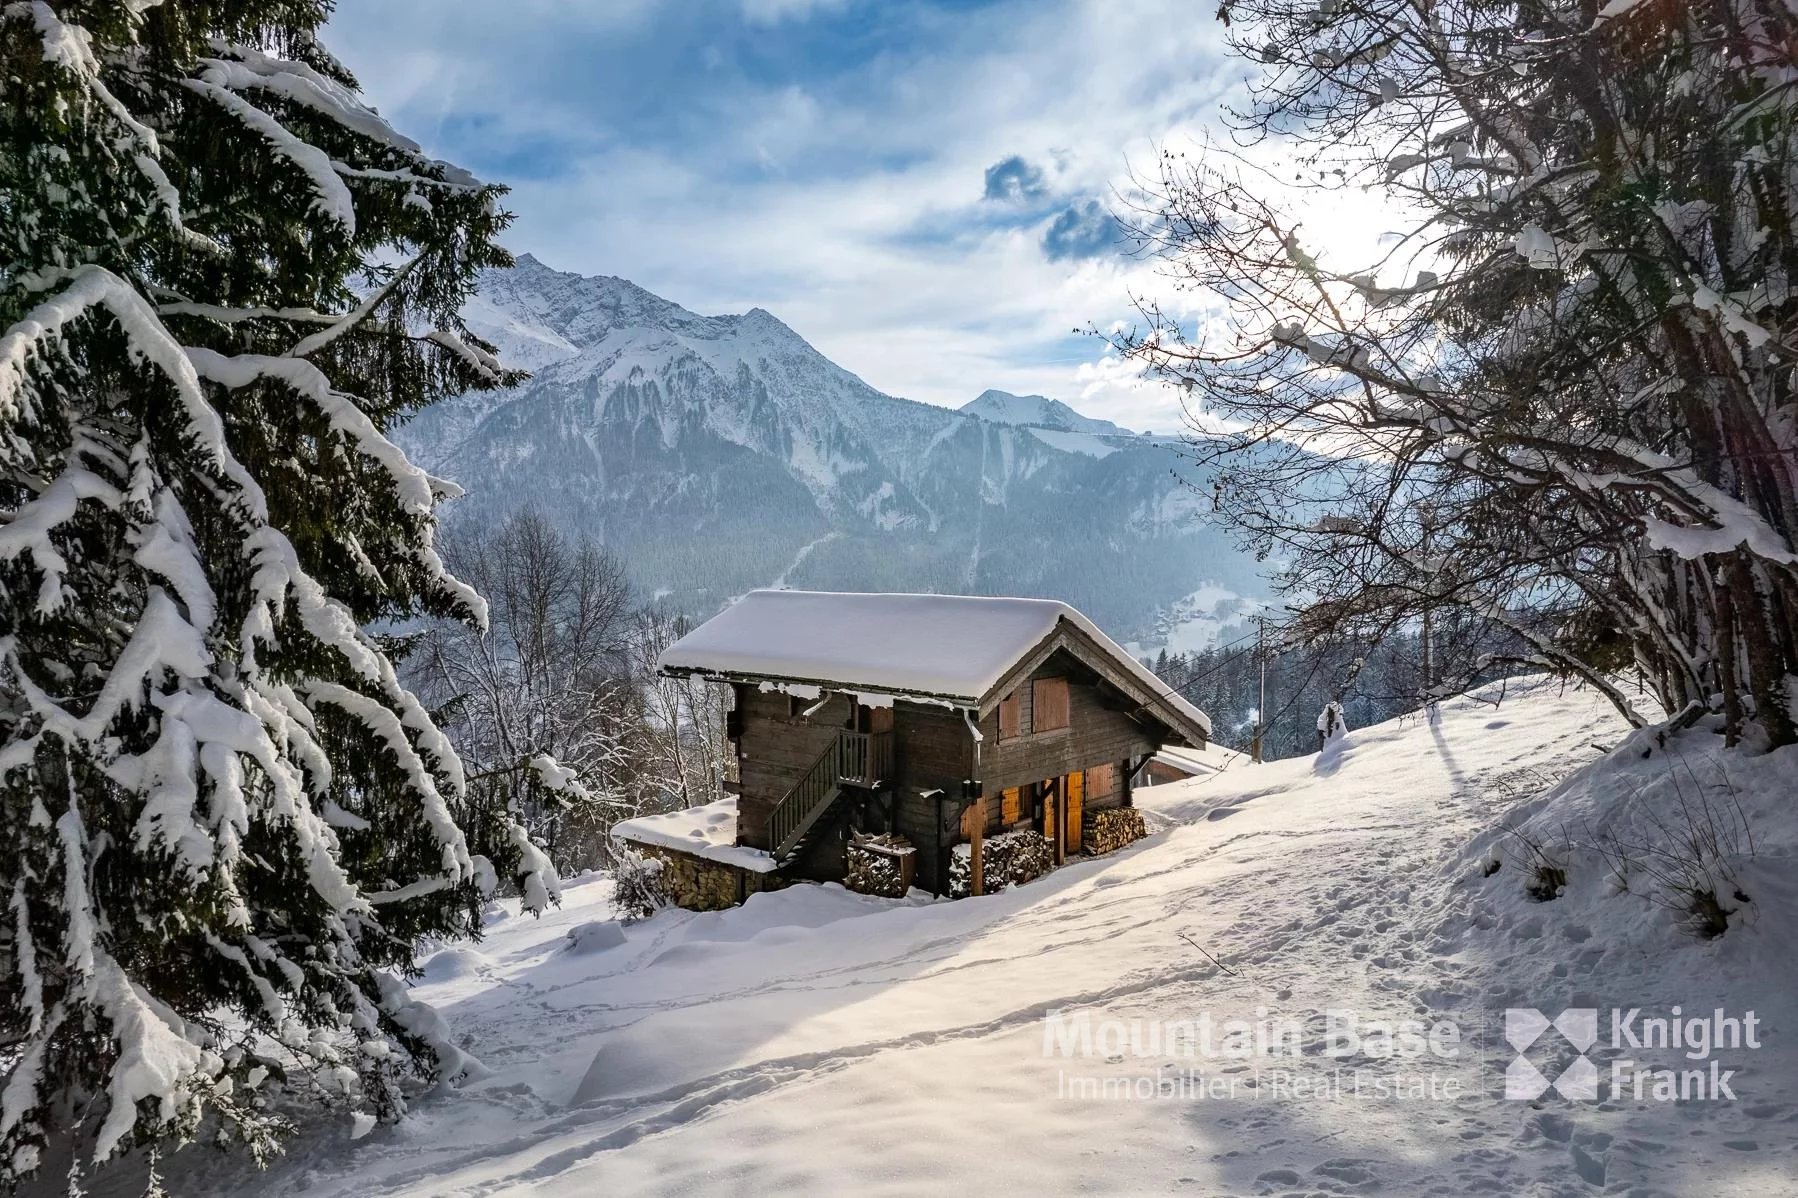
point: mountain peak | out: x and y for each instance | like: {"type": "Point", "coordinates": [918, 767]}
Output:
{"type": "Point", "coordinates": [720, 453]}
{"type": "Point", "coordinates": [1039, 411]}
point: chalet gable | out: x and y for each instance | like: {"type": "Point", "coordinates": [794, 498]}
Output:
{"type": "Point", "coordinates": [1126, 677]}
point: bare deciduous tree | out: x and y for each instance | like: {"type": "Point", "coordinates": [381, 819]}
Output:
{"type": "Point", "coordinates": [687, 714]}
{"type": "Point", "coordinates": [1562, 403]}
{"type": "Point", "coordinates": [545, 707]}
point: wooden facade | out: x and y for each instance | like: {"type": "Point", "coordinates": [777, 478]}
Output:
{"type": "Point", "coordinates": [1058, 738]}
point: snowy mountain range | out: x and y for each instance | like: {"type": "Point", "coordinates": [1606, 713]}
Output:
{"type": "Point", "coordinates": [721, 453]}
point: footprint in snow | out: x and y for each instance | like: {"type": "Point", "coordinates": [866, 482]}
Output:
{"type": "Point", "coordinates": [1351, 1170]}
{"type": "Point", "coordinates": [1591, 1169]}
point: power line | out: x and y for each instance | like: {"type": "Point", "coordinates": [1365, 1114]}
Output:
{"type": "Point", "coordinates": [1169, 691]}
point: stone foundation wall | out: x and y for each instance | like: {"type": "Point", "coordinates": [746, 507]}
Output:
{"type": "Point", "coordinates": [701, 885]}
{"type": "Point", "coordinates": [1110, 830]}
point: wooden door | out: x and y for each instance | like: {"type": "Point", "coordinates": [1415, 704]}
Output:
{"type": "Point", "coordinates": [1076, 792]}
{"type": "Point", "coordinates": [1051, 828]}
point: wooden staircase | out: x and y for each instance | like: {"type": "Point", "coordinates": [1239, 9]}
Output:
{"type": "Point", "coordinates": [859, 759]}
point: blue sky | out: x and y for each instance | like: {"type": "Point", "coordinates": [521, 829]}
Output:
{"type": "Point", "coordinates": [920, 189]}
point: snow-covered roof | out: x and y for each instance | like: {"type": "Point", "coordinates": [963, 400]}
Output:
{"type": "Point", "coordinates": [708, 831]}
{"type": "Point", "coordinates": [955, 648]}
{"type": "Point", "coordinates": [1212, 759]}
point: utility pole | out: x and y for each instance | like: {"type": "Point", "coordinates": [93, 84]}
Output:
{"type": "Point", "coordinates": [1260, 707]}
{"type": "Point", "coordinates": [1428, 664]}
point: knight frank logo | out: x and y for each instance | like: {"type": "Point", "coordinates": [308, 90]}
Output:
{"type": "Point", "coordinates": [1578, 1026]}
{"type": "Point", "coordinates": [1689, 1040]}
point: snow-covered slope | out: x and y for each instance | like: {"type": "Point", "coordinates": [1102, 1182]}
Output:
{"type": "Point", "coordinates": [817, 1042]}
{"type": "Point", "coordinates": [720, 453]}
{"type": "Point", "coordinates": [1002, 407]}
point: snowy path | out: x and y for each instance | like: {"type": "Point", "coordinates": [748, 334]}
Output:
{"type": "Point", "coordinates": [816, 1041]}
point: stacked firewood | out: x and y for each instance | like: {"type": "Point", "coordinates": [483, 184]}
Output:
{"type": "Point", "coordinates": [879, 864]}
{"type": "Point", "coordinates": [1008, 859]}
{"type": "Point", "coordinates": [1109, 830]}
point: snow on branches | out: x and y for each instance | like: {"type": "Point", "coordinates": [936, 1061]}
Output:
{"type": "Point", "coordinates": [225, 820]}
{"type": "Point", "coordinates": [1585, 401]}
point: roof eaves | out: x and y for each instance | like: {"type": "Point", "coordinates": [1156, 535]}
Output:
{"type": "Point", "coordinates": [831, 684]}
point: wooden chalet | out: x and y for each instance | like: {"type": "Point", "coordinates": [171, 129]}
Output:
{"type": "Point", "coordinates": [935, 718]}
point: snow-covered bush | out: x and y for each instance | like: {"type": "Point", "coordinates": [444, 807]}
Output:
{"type": "Point", "coordinates": [224, 822]}
{"type": "Point", "coordinates": [1684, 854]}
{"type": "Point", "coordinates": [1544, 867]}
{"type": "Point", "coordinates": [595, 937]}
{"type": "Point", "coordinates": [638, 888]}
{"type": "Point", "coordinates": [1670, 819]}
{"type": "Point", "coordinates": [1332, 725]}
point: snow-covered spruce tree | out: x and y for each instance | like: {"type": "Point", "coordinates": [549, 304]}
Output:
{"type": "Point", "coordinates": [1563, 402]}
{"type": "Point", "coordinates": [223, 822]}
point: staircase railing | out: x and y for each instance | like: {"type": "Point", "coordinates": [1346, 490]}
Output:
{"type": "Point", "coordinates": [863, 758]}
{"type": "Point", "coordinates": [795, 813]}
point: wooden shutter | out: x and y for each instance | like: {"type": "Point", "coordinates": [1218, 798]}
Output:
{"type": "Point", "coordinates": [1009, 807]}
{"type": "Point", "coordinates": [1050, 701]}
{"type": "Point", "coordinates": [1076, 804]}
{"type": "Point", "coordinates": [1101, 780]}
{"type": "Point", "coordinates": [1009, 710]}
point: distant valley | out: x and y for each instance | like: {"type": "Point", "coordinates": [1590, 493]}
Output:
{"type": "Point", "coordinates": [720, 453]}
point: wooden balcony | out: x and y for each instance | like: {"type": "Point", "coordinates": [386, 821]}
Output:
{"type": "Point", "coordinates": [865, 758]}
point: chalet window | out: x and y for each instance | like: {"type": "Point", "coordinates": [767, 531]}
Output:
{"type": "Point", "coordinates": [1050, 702]}
{"type": "Point", "coordinates": [1010, 714]}
{"type": "Point", "coordinates": [1101, 780]}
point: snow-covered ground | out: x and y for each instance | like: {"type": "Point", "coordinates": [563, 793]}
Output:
{"type": "Point", "coordinates": [816, 1041]}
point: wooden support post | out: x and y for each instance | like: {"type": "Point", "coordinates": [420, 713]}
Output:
{"type": "Point", "coordinates": [1074, 786]}
{"type": "Point", "coordinates": [973, 827]}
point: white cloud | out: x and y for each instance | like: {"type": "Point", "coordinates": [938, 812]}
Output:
{"type": "Point", "coordinates": [851, 207]}
{"type": "Point", "coordinates": [770, 12]}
